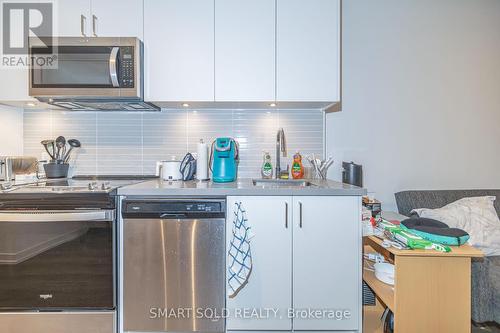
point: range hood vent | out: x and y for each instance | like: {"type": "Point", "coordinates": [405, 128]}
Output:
{"type": "Point", "coordinates": [100, 104]}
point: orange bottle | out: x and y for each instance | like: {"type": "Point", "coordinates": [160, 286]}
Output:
{"type": "Point", "coordinates": [297, 167]}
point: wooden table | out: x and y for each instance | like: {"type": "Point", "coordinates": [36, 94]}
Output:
{"type": "Point", "coordinates": [432, 291]}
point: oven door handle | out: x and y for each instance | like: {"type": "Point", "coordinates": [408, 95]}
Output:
{"type": "Point", "coordinates": [57, 216]}
{"type": "Point", "coordinates": [113, 66]}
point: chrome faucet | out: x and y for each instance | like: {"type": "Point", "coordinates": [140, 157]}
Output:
{"type": "Point", "coordinates": [280, 148]}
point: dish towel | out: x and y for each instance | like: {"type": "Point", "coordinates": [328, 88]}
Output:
{"type": "Point", "coordinates": [240, 253]}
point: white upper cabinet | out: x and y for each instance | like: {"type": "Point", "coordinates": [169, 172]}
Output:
{"type": "Point", "coordinates": [99, 18]}
{"type": "Point", "coordinates": [14, 85]}
{"type": "Point", "coordinates": [327, 260]}
{"type": "Point", "coordinates": [308, 50]}
{"type": "Point", "coordinates": [72, 18]}
{"type": "Point", "coordinates": [270, 282]}
{"type": "Point", "coordinates": [209, 51]}
{"type": "Point", "coordinates": [117, 18]}
{"type": "Point", "coordinates": [242, 51]}
{"type": "Point", "coordinates": [179, 50]}
{"type": "Point", "coordinates": [245, 50]}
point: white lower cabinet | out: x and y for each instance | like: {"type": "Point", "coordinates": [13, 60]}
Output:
{"type": "Point", "coordinates": [270, 283]}
{"type": "Point", "coordinates": [243, 331]}
{"type": "Point", "coordinates": [306, 253]}
{"type": "Point", "coordinates": [326, 262]}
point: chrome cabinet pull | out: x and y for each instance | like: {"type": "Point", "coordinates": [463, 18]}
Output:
{"type": "Point", "coordinates": [300, 214]}
{"type": "Point", "coordinates": [94, 25]}
{"type": "Point", "coordinates": [83, 19]}
{"type": "Point", "coordinates": [286, 215]}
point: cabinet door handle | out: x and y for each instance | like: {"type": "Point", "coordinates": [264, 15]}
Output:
{"type": "Point", "coordinates": [94, 25]}
{"type": "Point", "coordinates": [83, 19]}
{"type": "Point", "coordinates": [286, 215]}
{"type": "Point", "coordinates": [300, 214]}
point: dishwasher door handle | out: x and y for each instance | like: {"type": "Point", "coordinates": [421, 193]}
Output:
{"type": "Point", "coordinates": [173, 216]}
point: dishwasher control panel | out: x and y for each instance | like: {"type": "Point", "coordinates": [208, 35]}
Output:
{"type": "Point", "coordinates": [174, 208]}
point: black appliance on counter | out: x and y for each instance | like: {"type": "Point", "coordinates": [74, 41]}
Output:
{"type": "Point", "coordinates": [352, 174]}
{"type": "Point", "coordinates": [58, 254]}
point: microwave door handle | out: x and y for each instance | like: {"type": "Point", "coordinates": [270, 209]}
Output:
{"type": "Point", "coordinates": [113, 64]}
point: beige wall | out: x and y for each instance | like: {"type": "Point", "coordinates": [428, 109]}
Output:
{"type": "Point", "coordinates": [11, 131]}
{"type": "Point", "coordinates": [421, 95]}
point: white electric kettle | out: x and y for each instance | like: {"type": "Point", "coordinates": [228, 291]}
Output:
{"type": "Point", "coordinates": [169, 169]}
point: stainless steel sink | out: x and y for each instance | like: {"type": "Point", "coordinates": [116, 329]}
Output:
{"type": "Point", "coordinates": [281, 182]}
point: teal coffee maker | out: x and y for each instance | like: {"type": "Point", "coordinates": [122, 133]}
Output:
{"type": "Point", "coordinates": [224, 160]}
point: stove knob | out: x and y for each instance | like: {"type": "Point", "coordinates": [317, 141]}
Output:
{"type": "Point", "coordinates": [105, 186]}
{"type": "Point", "coordinates": [92, 186]}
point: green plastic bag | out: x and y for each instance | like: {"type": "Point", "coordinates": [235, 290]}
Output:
{"type": "Point", "coordinates": [412, 240]}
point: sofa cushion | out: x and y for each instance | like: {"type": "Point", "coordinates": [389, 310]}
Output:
{"type": "Point", "coordinates": [475, 215]}
{"type": "Point", "coordinates": [408, 200]}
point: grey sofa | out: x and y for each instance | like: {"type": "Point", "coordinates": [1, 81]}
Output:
{"type": "Point", "coordinates": [485, 272]}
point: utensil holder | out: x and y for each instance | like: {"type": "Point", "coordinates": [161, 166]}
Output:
{"type": "Point", "coordinates": [313, 173]}
{"type": "Point", "coordinates": [56, 170]}
{"type": "Point", "coordinates": [319, 175]}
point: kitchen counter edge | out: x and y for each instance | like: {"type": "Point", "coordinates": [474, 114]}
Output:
{"type": "Point", "coordinates": [241, 187]}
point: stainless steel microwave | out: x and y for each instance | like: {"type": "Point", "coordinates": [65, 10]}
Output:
{"type": "Point", "coordinates": [88, 73]}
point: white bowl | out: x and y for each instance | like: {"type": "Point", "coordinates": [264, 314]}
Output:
{"type": "Point", "coordinates": [384, 272]}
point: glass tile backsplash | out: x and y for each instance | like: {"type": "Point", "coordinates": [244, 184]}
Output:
{"type": "Point", "coordinates": [131, 143]}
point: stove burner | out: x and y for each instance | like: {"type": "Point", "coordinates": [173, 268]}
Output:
{"type": "Point", "coordinates": [86, 184]}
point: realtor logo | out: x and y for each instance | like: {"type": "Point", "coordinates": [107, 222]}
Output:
{"type": "Point", "coordinates": [20, 22]}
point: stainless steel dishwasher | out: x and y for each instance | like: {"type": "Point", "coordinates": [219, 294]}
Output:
{"type": "Point", "coordinates": [174, 265]}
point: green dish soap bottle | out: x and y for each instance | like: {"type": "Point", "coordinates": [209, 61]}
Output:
{"type": "Point", "coordinates": [267, 168]}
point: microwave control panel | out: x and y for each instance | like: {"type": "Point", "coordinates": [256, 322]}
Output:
{"type": "Point", "coordinates": [127, 67]}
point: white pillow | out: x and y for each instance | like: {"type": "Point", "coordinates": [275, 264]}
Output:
{"type": "Point", "coordinates": [476, 215]}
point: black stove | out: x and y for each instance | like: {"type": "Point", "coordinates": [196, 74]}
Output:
{"type": "Point", "coordinates": [58, 244]}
